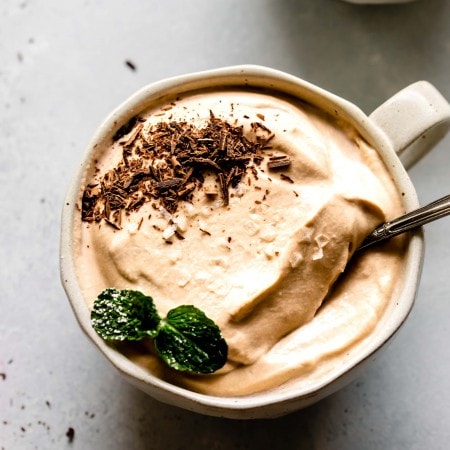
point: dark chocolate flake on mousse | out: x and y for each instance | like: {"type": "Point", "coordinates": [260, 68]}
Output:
{"type": "Point", "coordinates": [168, 164]}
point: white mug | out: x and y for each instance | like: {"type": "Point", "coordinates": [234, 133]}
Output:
{"type": "Point", "coordinates": [402, 130]}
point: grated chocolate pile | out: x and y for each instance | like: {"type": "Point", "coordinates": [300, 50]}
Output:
{"type": "Point", "coordinates": [168, 164]}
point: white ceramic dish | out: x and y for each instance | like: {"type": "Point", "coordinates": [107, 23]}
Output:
{"type": "Point", "coordinates": [402, 129]}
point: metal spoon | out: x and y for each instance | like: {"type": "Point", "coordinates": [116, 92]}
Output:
{"type": "Point", "coordinates": [433, 211]}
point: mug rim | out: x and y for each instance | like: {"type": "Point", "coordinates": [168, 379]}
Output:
{"type": "Point", "coordinates": [266, 403]}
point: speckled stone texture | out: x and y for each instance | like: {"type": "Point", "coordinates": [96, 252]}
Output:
{"type": "Point", "coordinates": [63, 67]}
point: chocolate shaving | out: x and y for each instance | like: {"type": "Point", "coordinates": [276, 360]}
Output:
{"type": "Point", "coordinates": [256, 125]}
{"type": "Point", "coordinates": [169, 163]}
{"type": "Point", "coordinates": [224, 188]}
{"type": "Point", "coordinates": [125, 129]}
{"type": "Point", "coordinates": [133, 135]}
{"type": "Point", "coordinates": [168, 184]}
{"type": "Point", "coordinates": [278, 162]}
{"type": "Point", "coordinates": [208, 162]}
{"type": "Point", "coordinates": [286, 178]}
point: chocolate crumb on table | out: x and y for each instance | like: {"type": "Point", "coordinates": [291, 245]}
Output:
{"type": "Point", "coordinates": [70, 433]}
{"type": "Point", "coordinates": [130, 65]}
{"type": "Point", "coordinates": [169, 164]}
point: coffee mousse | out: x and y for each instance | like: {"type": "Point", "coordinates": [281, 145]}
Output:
{"type": "Point", "coordinates": [248, 204]}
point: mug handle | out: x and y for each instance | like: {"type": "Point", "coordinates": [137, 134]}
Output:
{"type": "Point", "coordinates": [413, 120]}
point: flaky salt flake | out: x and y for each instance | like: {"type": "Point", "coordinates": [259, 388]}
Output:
{"type": "Point", "coordinates": [318, 254]}
{"type": "Point", "coordinates": [169, 232]}
{"type": "Point", "coordinates": [180, 222]}
{"type": "Point", "coordinates": [132, 228]}
{"type": "Point", "coordinates": [190, 210]}
{"type": "Point", "coordinates": [322, 240]}
{"type": "Point", "coordinates": [268, 233]}
{"type": "Point", "coordinates": [183, 277]}
{"type": "Point", "coordinates": [295, 259]}
{"type": "Point", "coordinates": [165, 214]}
{"type": "Point", "coordinates": [270, 251]}
{"type": "Point", "coordinates": [251, 227]}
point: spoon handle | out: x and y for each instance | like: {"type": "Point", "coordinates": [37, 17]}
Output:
{"type": "Point", "coordinates": [433, 211]}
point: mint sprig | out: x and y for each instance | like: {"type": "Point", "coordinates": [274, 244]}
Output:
{"type": "Point", "coordinates": [120, 315]}
{"type": "Point", "coordinates": [189, 340]}
{"type": "Point", "coordinates": [186, 340]}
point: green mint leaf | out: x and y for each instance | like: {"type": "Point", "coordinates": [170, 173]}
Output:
{"type": "Point", "coordinates": [124, 314]}
{"type": "Point", "coordinates": [190, 341]}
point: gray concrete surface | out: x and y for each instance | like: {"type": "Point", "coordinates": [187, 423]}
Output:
{"type": "Point", "coordinates": [62, 69]}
